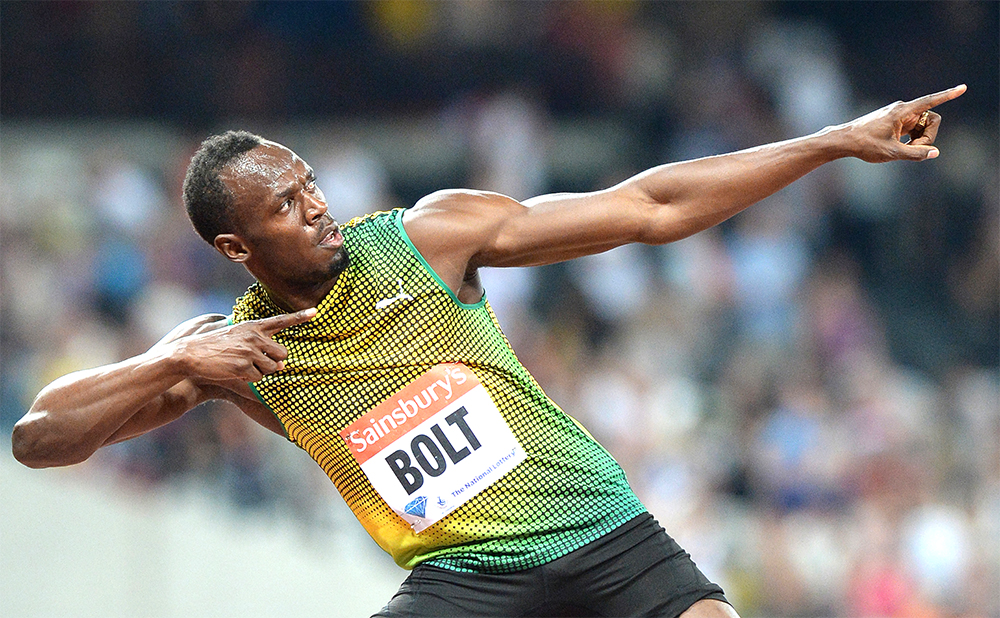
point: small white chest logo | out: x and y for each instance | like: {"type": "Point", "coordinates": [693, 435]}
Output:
{"type": "Point", "coordinates": [385, 302]}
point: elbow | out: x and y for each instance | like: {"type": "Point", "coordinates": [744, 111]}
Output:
{"type": "Point", "coordinates": [23, 446]}
{"type": "Point", "coordinates": [657, 236]}
{"type": "Point", "coordinates": [661, 224]}
{"type": "Point", "coordinates": [35, 446]}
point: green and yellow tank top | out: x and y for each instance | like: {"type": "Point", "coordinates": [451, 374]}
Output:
{"type": "Point", "coordinates": [436, 436]}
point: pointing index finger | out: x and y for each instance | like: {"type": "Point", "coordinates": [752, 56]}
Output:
{"type": "Point", "coordinates": [933, 100]}
{"type": "Point", "coordinates": [275, 324]}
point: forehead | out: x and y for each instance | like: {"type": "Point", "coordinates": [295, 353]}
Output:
{"type": "Point", "coordinates": [268, 167]}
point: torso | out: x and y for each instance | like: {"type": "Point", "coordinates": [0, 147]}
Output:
{"type": "Point", "coordinates": [355, 356]}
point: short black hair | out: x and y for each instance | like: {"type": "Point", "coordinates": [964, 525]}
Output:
{"type": "Point", "coordinates": [208, 201]}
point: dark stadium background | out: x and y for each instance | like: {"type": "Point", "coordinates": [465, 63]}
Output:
{"type": "Point", "coordinates": [816, 381]}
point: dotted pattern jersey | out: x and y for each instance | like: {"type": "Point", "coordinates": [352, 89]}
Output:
{"type": "Point", "coordinates": [352, 356]}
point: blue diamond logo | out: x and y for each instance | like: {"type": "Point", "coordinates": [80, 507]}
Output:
{"type": "Point", "coordinates": [418, 506]}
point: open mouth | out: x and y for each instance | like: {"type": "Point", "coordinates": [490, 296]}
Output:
{"type": "Point", "coordinates": [332, 237]}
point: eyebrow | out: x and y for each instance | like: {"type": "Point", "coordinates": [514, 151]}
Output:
{"type": "Point", "coordinates": [287, 190]}
{"type": "Point", "coordinates": [292, 187]}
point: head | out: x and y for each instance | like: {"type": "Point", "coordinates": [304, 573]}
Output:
{"type": "Point", "coordinates": [258, 204]}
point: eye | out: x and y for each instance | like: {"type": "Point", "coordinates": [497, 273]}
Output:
{"type": "Point", "coordinates": [287, 204]}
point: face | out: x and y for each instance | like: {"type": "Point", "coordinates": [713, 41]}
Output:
{"type": "Point", "coordinates": [286, 238]}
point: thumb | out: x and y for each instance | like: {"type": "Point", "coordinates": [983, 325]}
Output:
{"type": "Point", "coordinates": [919, 153]}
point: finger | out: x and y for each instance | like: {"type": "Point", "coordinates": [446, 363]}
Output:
{"type": "Point", "coordinates": [928, 134]}
{"type": "Point", "coordinates": [252, 374]}
{"type": "Point", "coordinates": [274, 350]}
{"type": "Point", "coordinates": [933, 100]}
{"type": "Point", "coordinates": [266, 365]}
{"type": "Point", "coordinates": [275, 324]}
{"type": "Point", "coordinates": [212, 322]}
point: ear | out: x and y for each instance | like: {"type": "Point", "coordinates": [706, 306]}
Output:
{"type": "Point", "coordinates": [233, 247]}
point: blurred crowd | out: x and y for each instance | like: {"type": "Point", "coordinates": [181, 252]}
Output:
{"type": "Point", "coordinates": [807, 397]}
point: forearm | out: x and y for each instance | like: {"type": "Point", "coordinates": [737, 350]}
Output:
{"type": "Point", "coordinates": [691, 196]}
{"type": "Point", "coordinates": [78, 413]}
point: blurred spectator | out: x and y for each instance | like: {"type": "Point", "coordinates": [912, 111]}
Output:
{"type": "Point", "coordinates": [807, 397]}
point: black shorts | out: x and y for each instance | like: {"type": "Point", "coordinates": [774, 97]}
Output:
{"type": "Point", "coordinates": [636, 570]}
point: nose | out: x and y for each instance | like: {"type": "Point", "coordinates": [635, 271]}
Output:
{"type": "Point", "coordinates": [315, 208]}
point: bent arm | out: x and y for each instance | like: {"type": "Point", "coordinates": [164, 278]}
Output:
{"type": "Point", "coordinates": [201, 359]}
{"type": "Point", "coordinates": [78, 413]}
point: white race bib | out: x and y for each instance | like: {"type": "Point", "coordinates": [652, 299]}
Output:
{"type": "Point", "coordinates": [433, 445]}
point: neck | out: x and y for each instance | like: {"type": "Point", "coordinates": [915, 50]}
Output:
{"type": "Point", "coordinates": [296, 298]}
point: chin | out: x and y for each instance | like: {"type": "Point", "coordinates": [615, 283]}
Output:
{"type": "Point", "coordinates": [341, 260]}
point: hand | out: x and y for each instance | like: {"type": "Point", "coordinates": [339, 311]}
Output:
{"type": "Point", "coordinates": [244, 351]}
{"type": "Point", "coordinates": [877, 137]}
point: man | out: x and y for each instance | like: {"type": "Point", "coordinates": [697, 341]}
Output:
{"type": "Point", "coordinates": [372, 348]}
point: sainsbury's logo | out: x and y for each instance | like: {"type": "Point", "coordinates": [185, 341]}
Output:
{"type": "Point", "coordinates": [416, 402]}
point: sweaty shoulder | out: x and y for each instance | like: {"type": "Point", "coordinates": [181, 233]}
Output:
{"type": "Point", "coordinates": [457, 218]}
{"type": "Point", "coordinates": [450, 228]}
{"type": "Point", "coordinates": [457, 198]}
{"type": "Point", "coordinates": [458, 206]}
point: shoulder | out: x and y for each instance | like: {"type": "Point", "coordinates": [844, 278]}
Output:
{"type": "Point", "coordinates": [459, 200]}
{"type": "Point", "coordinates": [459, 212]}
{"type": "Point", "coordinates": [448, 228]}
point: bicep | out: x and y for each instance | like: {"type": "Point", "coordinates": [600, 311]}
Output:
{"type": "Point", "coordinates": [459, 230]}
{"type": "Point", "coordinates": [262, 415]}
{"type": "Point", "coordinates": [176, 400]}
{"type": "Point", "coordinates": [558, 227]}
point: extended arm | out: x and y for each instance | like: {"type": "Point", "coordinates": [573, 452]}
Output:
{"type": "Point", "coordinates": [202, 359]}
{"type": "Point", "coordinates": [459, 231]}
